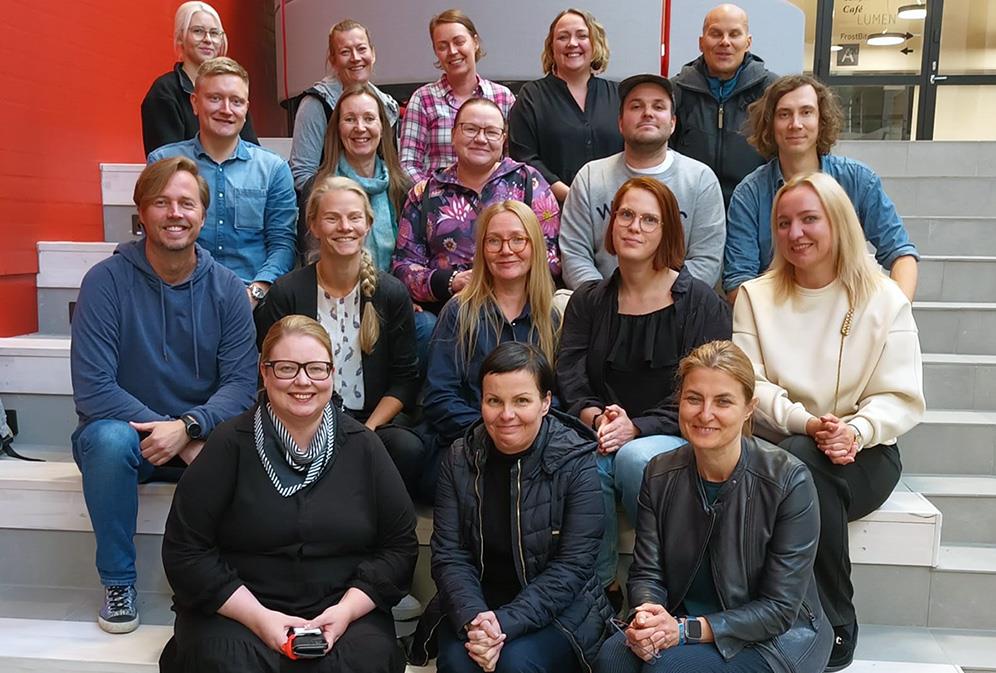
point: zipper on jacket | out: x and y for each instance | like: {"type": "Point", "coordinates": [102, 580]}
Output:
{"type": "Point", "coordinates": [721, 105]}
{"type": "Point", "coordinates": [574, 643]}
{"type": "Point", "coordinates": [428, 638]}
{"type": "Point", "coordinates": [518, 518]}
{"type": "Point", "coordinates": [480, 510]}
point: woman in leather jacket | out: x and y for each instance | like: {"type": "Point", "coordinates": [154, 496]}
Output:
{"type": "Point", "coordinates": [517, 525]}
{"type": "Point", "coordinates": [726, 536]}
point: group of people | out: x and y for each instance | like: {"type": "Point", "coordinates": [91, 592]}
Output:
{"type": "Point", "coordinates": [524, 341]}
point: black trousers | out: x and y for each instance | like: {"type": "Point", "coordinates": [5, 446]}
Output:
{"type": "Point", "coordinates": [847, 493]}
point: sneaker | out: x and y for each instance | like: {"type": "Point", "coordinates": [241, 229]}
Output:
{"type": "Point", "coordinates": [844, 641]}
{"type": "Point", "coordinates": [120, 611]}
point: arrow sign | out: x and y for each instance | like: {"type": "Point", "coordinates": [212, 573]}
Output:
{"type": "Point", "coordinates": [909, 36]}
{"type": "Point", "coordinates": [906, 50]}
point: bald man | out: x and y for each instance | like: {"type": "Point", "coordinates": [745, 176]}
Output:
{"type": "Point", "coordinates": [711, 95]}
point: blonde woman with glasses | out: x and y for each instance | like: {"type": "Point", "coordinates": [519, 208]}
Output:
{"type": "Point", "coordinates": [167, 115]}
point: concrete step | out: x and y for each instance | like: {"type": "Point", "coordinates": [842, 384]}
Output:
{"type": "Point", "coordinates": [58, 646]}
{"type": "Point", "coordinates": [943, 235]}
{"type": "Point", "coordinates": [945, 196]}
{"type": "Point", "coordinates": [967, 503]}
{"type": "Point", "coordinates": [971, 650]}
{"type": "Point", "coordinates": [892, 158]}
{"type": "Point", "coordinates": [954, 278]}
{"type": "Point", "coordinates": [61, 267]}
{"type": "Point", "coordinates": [956, 327]}
{"type": "Point", "coordinates": [951, 442]}
{"type": "Point", "coordinates": [966, 382]}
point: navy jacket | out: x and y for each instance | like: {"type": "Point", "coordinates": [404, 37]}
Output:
{"type": "Point", "coordinates": [557, 530]}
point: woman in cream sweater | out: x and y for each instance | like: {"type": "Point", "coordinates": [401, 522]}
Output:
{"type": "Point", "coordinates": [839, 376]}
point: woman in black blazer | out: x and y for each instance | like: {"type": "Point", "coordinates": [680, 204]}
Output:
{"type": "Point", "coordinates": [367, 313]}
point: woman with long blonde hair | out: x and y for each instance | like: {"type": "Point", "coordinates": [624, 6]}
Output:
{"type": "Point", "coordinates": [839, 373]}
{"type": "Point", "coordinates": [366, 312]}
{"type": "Point", "coordinates": [509, 296]}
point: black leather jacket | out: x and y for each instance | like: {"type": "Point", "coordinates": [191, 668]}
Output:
{"type": "Point", "coordinates": [761, 532]}
{"type": "Point", "coordinates": [714, 133]}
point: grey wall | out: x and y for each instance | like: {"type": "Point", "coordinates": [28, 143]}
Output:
{"type": "Point", "coordinates": [512, 33]}
{"type": "Point", "coordinates": [777, 26]}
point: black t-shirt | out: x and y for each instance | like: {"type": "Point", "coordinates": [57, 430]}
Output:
{"type": "Point", "coordinates": [500, 583]}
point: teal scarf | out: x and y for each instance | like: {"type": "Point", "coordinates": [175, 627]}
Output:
{"type": "Point", "coordinates": [384, 233]}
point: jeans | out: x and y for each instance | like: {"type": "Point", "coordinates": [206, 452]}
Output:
{"type": "Point", "coordinates": [616, 657]}
{"type": "Point", "coordinates": [108, 455]}
{"type": "Point", "coordinates": [543, 651]}
{"type": "Point", "coordinates": [425, 323]}
{"type": "Point", "coordinates": [622, 472]}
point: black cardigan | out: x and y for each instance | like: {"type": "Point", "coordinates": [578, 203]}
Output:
{"type": "Point", "coordinates": [591, 323]}
{"type": "Point", "coordinates": [392, 367]}
{"type": "Point", "coordinates": [167, 116]}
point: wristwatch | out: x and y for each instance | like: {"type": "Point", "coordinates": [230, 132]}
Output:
{"type": "Point", "coordinates": [256, 292]}
{"type": "Point", "coordinates": [859, 440]}
{"type": "Point", "coordinates": [693, 630]}
{"type": "Point", "coordinates": [191, 425]}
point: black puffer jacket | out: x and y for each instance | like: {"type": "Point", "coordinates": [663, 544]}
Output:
{"type": "Point", "coordinates": [761, 532]}
{"type": "Point", "coordinates": [713, 133]}
{"type": "Point", "coordinates": [557, 531]}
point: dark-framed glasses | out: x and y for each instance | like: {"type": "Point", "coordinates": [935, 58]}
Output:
{"type": "Point", "coordinates": [496, 243]}
{"type": "Point", "coordinates": [470, 131]}
{"type": "Point", "coordinates": [288, 369]}
{"type": "Point", "coordinates": [621, 626]}
{"type": "Point", "coordinates": [648, 222]}
{"type": "Point", "coordinates": [200, 33]}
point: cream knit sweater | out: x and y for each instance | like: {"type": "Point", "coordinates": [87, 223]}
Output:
{"type": "Point", "coordinates": [795, 346]}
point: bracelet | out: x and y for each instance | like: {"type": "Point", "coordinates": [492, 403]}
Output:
{"type": "Point", "coordinates": [449, 283]}
{"type": "Point", "coordinates": [681, 632]}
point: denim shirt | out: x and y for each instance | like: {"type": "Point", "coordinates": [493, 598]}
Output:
{"type": "Point", "coordinates": [748, 226]}
{"type": "Point", "coordinates": [251, 223]}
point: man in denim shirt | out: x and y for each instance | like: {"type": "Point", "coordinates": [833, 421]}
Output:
{"type": "Point", "coordinates": [794, 126]}
{"type": "Point", "coordinates": [251, 223]}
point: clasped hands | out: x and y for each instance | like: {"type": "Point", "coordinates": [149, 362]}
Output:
{"type": "Point", "coordinates": [271, 626]}
{"type": "Point", "coordinates": [834, 437]}
{"type": "Point", "coordinates": [614, 428]}
{"type": "Point", "coordinates": [166, 439]}
{"type": "Point", "coordinates": [652, 629]}
{"type": "Point", "coordinates": [484, 640]}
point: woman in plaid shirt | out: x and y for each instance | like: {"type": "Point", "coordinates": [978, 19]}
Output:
{"type": "Point", "coordinates": [428, 121]}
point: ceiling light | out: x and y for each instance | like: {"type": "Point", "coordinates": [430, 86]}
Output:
{"type": "Point", "coordinates": [912, 12]}
{"type": "Point", "coordinates": [885, 39]}
{"type": "Point", "coordinates": [835, 47]}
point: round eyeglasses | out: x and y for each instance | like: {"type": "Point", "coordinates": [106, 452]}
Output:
{"type": "Point", "coordinates": [200, 33]}
{"type": "Point", "coordinates": [648, 223]}
{"type": "Point", "coordinates": [515, 244]}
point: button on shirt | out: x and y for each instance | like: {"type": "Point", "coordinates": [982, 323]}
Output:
{"type": "Point", "coordinates": [748, 228]}
{"type": "Point", "coordinates": [251, 222]}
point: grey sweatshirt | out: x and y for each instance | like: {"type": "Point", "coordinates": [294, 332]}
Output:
{"type": "Point", "coordinates": [586, 214]}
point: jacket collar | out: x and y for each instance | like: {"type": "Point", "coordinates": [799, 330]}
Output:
{"type": "Point", "coordinates": [747, 445]}
{"type": "Point", "coordinates": [693, 74]}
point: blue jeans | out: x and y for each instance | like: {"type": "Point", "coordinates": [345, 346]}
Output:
{"type": "Point", "coordinates": [543, 651]}
{"type": "Point", "coordinates": [108, 455]}
{"type": "Point", "coordinates": [616, 657]}
{"type": "Point", "coordinates": [622, 472]}
{"type": "Point", "coordinates": [425, 323]}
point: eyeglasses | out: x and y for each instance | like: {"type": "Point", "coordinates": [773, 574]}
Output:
{"type": "Point", "coordinates": [621, 626]}
{"type": "Point", "coordinates": [288, 369]}
{"type": "Point", "coordinates": [470, 131]}
{"type": "Point", "coordinates": [200, 33]}
{"type": "Point", "coordinates": [648, 223]}
{"type": "Point", "coordinates": [515, 244]}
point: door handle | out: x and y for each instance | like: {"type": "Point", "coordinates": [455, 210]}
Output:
{"type": "Point", "coordinates": [934, 79]}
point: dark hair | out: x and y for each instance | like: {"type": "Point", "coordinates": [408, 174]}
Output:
{"type": "Point", "coordinates": [517, 356]}
{"type": "Point", "coordinates": [456, 16]}
{"type": "Point", "coordinates": [671, 250]}
{"type": "Point", "coordinates": [761, 115]}
{"type": "Point", "coordinates": [480, 100]}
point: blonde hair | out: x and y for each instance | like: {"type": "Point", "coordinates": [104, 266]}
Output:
{"type": "Point", "coordinates": [852, 265]}
{"type": "Point", "coordinates": [220, 65]}
{"type": "Point", "coordinates": [370, 320]}
{"type": "Point", "coordinates": [723, 356]}
{"type": "Point", "coordinates": [344, 26]}
{"type": "Point", "coordinates": [596, 33]}
{"type": "Point", "coordinates": [185, 14]}
{"type": "Point", "coordinates": [154, 178]}
{"type": "Point", "coordinates": [294, 324]}
{"type": "Point", "coordinates": [480, 291]}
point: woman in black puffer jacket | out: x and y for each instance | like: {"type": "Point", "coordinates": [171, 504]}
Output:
{"type": "Point", "coordinates": [517, 526]}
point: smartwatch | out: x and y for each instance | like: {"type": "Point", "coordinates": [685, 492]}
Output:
{"type": "Point", "coordinates": [693, 630]}
{"type": "Point", "coordinates": [191, 425]}
{"type": "Point", "coordinates": [256, 292]}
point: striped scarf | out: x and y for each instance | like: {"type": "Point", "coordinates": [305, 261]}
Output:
{"type": "Point", "coordinates": [307, 466]}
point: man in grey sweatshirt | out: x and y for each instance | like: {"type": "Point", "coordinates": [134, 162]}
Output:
{"type": "Point", "coordinates": [646, 121]}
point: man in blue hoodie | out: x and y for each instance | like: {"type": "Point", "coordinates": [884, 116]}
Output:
{"type": "Point", "coordinates": [163, 350]}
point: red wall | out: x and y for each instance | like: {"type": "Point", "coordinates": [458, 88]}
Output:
{"type": "Point", "coordinates": [73, 76]}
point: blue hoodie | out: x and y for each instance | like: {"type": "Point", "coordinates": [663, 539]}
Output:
{"type": "Point", "coordinates": [143, 350]}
